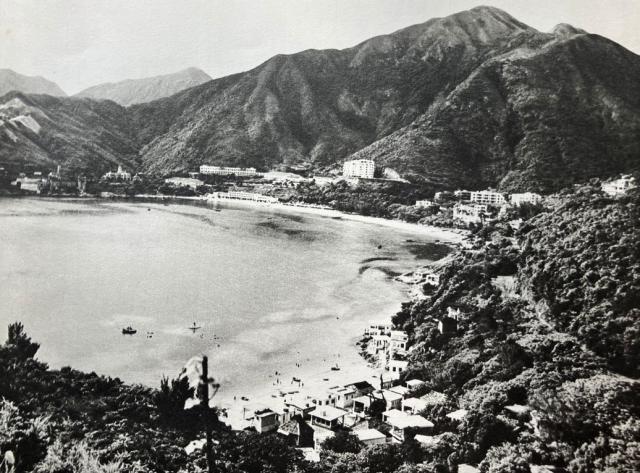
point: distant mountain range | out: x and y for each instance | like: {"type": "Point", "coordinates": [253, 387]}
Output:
{"type": "Point", "coordinates": [11, 80]}
{"type": "Point", "coordinates": [134, 91]}
{"type": "Point", "coordinates": [474, 99]}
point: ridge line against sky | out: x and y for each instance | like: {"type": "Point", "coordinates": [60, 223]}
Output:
{"type": "Point", "coordinates": [82, 43]}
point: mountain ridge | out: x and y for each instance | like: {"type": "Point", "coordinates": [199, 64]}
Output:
{"type": "Point", "coordinates": [473, 99]}
{"type": "Point", "coordinates": [132, 91]}
{"type": "Point", "coordinates": [11, 80]}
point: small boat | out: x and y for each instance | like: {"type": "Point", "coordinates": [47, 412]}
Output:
{"type": "Point", "coordinates": [335, 368]}
{"type": "Point", "coordinates": [194, 328]}
{"type": "Point", "coordinates": [129, 331]}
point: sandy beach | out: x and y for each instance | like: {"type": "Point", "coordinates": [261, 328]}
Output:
{"type": "Point", "coordinates": [450, 235]}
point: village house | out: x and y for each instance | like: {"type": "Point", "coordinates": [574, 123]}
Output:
{"type": "Point", "coordinates": [342, 396]}
{"type": "Point", "coordinates": [361, 388]}
{"type": "Point", "coordinates": [402, 423]}
{"type": "Point", "coordinates": [402, 390]}
{"type": "Point", "coordinates": [413, 405]}
{"type": "Point", "coordinates": [299, 405]}
{"type": "Point", "coordinates": [184, 182]}
{"type": "Point", "coordinates": [327, 417]}
{"type": "Point", "coordinates": [413, 384]}
{"type": "Point", "coordinates": [370, 436]}
{"type": "Point", "coordinates": [265, 420]}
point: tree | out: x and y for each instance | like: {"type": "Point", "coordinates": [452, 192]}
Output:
{"type": "Point", "coordinates": [343, 442]}
{"type": "Point", "coordinates": [19, 343]}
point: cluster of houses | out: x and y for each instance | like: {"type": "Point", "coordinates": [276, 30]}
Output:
{"type": "Point", "coordinates": [473, 207]}
{"type": "Point", "coordinates": [307, 417]}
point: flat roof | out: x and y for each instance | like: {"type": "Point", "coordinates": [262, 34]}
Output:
{"type": "Point", "coordinates": [414, 403]}
{"type": "Point", "coordinates": [457, 415]}
{"type": "Point", "coordinates": [405, 421]}
{"type": "Point", "coordinates": [369, 434]}
{"type": "Point", "coordinates": [389, 395]}
{"type": "Point", "coordinates": [328, 413]}
{"type": "Point", "coordinates": [414, 383]}
{"type": "Point", "coordinates": [399, 390]}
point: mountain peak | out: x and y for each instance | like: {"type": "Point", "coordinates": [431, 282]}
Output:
{"type": "Point", "coordinates": [11, 80]}
{"type": "Point", "coordinates": [564, 30]}
{"type": "Point", "coordinates": [133, 91]}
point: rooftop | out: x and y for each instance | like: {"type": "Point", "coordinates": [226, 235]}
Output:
{"type": "Point", "coordinates": [457, 415]}
{"type": "Point", "coordinates": [405, 421]}
{"type": "Point", "coordinates": [328, 413]}
{"type": "Point", "coordinates": [369, 434]}
{"type": "Point", "coordinates": [414, 383]}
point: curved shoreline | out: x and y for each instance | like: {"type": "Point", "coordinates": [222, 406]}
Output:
{"type": "Point", "coordinates": [451, 235]}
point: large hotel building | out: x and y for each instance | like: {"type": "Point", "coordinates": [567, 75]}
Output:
{"type": "Point", "coordinates": [359, 168]}
{"type": "Point", "coordinates": [226, 171]}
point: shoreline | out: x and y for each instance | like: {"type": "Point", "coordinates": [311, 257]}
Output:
{"type": "Point", "coordinates": [451, 235]}
{"type": "Point", "coordinates": [316, 377]}
{"type": "Point", "coordinates": [447, 234]}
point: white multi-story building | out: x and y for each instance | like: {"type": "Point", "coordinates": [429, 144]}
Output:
{"type": "Point", "coordinates": [619, 186]}
{"type": "Point", "coordinates": [469, 213]}
{"type": "Point", "coordinates": [120, 174]}
{"type": "Point", "coordinates": [227, 171]}
{"type": "Point", "coordinates": [487, 198]}
{"type": "Point", "coordinates": [359, 168]}
{"type": "Point", "coordinates": [525, 198]}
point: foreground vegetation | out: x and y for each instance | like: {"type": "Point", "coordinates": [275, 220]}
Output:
{"type": "Point", "coordinates": [549, 322]}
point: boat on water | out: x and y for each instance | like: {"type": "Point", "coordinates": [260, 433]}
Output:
{"type": "Point", "coordinates": [129, 330]}
{"type": "Point", "coordinates": [335, 368]}
{"type": "Point", "coordinates": [194, 328]}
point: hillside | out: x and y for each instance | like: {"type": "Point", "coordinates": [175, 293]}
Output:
{"type": "Point", "coordinates": [134, 91]}
{"type": "Point", "coordinates": [37, 132]}
{"type": "Point", "coordinates": [473, 99]}
{"type": "Point", "coordinates": [13, 81]}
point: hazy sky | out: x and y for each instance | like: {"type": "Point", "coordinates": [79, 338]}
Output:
{"type": "Point", "coordinates": [79, 43]}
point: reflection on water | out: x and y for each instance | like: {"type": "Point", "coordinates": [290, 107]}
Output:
{"type": "Point", "coordinates": [269, 288]}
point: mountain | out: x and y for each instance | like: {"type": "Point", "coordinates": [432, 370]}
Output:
{"type": "Point", "coordinates": [474, 99]}
{"type": "Point", "coordinates": [11, 80]}
{"type": "Point", "coordinates": [133, 91]}
{"type": "Point", "coordinates": [37, 132]}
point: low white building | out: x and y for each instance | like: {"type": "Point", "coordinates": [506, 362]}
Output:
{"type": "Point", "coordinates": [403, 422]}
{"type": "Point", "coordinates": [265, 420]}
{"type": "Point", "coordinates": [364, 168]}
{"type": "Point", "coordinates": [525, 198]}
{"type": "Point", "coordinates": [413, 405]}
{"type": "Point", "coordinates": [184, 181]}
{"type": "Point", "coordinates": [619, 186]}
{"type": "Point", "coordinates": [370, 436]}
{"type": "Point", "coordinates": [378, 344]}
{"type": "Point", "coordinates": [487, 197]}
{"type": "Point", "coordinates": [398, 342]}
{"type": "Point", "coordinates": [425, 204]}
{"type": "Point", "coordinates": [227, 171]}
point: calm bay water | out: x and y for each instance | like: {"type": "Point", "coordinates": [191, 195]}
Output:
{"type": "Point", "coordinates": [270, 288]}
